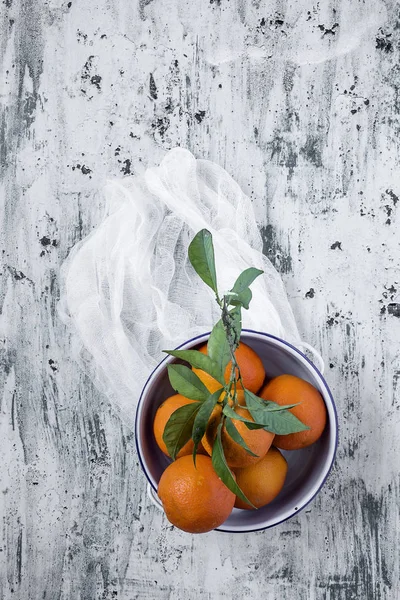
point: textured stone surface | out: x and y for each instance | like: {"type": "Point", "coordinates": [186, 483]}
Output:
{"type": "Point", "coordinates": [300, 103]}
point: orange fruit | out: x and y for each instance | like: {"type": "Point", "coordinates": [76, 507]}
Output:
{"type": "Point", "coordinates": [262, 482]}
{"type": "Point", "coordinates": [250, 365]}
{"type": "Point", "coordinates": [258, 440]}
{"type": "Point", "coordinates": [194, 497]}
{"type": "Point", "coordinates": [288, 389]}
{"type": "Point", "coordinates": [163, 413]}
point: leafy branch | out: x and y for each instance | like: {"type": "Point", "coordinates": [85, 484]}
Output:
{"type": "Point", "coordinates": [191, 421]}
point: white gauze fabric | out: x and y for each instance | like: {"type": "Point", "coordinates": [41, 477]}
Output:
{"type": "Point", "coordinates": [129, 290]}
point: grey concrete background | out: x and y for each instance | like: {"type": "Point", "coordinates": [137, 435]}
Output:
{"type": "Point", "coordinates": [300, 103]}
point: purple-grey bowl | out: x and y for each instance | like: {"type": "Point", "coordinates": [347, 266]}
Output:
{"type": "Point", "coordinates": [308, 468]}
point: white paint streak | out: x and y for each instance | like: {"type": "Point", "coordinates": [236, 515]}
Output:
{"type": "Point", "coordinates": [307, 121]}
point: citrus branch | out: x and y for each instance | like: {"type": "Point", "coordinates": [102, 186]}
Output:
{"type": "Point", "coordinates": [235, 375]}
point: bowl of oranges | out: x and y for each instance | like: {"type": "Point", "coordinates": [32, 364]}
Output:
{"type": "Point", "coordinates": [288, 475]}
{"type": "Point", "coordinates": [236, 430]}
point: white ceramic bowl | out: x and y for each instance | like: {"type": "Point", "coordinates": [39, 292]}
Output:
{"type": "Point", "coordinates": [308, 468]}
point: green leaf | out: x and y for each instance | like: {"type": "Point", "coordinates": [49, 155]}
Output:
{"type": "Point", "coordinates": [245, 279]}
{"type": "Point", "coordinates": [178, 429]}
{"type": "Point", "coordinates": [268, 405]}
{"type": "Point", "coordinates": [235, 435]}
{"type": "Point", "coordinates": [185, 382]}
{"type": "Point", "coordinates": [241, 299]}
{"type": "Point", "coordinates": [229, 412]}
{"type": "Point", "coordinates": [198, 360]}
{"type": "Point", "coordinates": [218, 346]}
{"type": "Point", "coordinates": [202, 418]}
{"type": "Point", "coordinates": [253, 425]}
{"type": "Point", "coordinates": [201, 255]}
{"type": "Point", "coordinates": [222, 469]}
{"type": "Point", "coordinates": [281, 422]}
{"type": "Point", "coordinates": [274, 407]}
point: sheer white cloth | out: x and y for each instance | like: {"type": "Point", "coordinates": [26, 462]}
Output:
{"type": "Point", "coordinates": [129, 290]}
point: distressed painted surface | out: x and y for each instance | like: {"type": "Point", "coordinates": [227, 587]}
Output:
{"type": "Point", "coordinates": [300, 102]}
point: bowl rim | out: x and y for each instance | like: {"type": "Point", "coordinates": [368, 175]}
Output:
{"type": "Point", "coordinates": [334, 426]}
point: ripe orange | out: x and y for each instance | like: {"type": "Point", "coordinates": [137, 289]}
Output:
{"type": "Point", "coordinates": [288, 389]}
{"type": "Point", "coordinates": [262, 482]}
{"type": "Point", "coordinates": [194, 498]}
{"type": "Point", "coordinates": [258, 440]}
{"type": "Point", "coordinates": [250, 365]}
{"type": "Point", "coordinates": [163, 413]}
